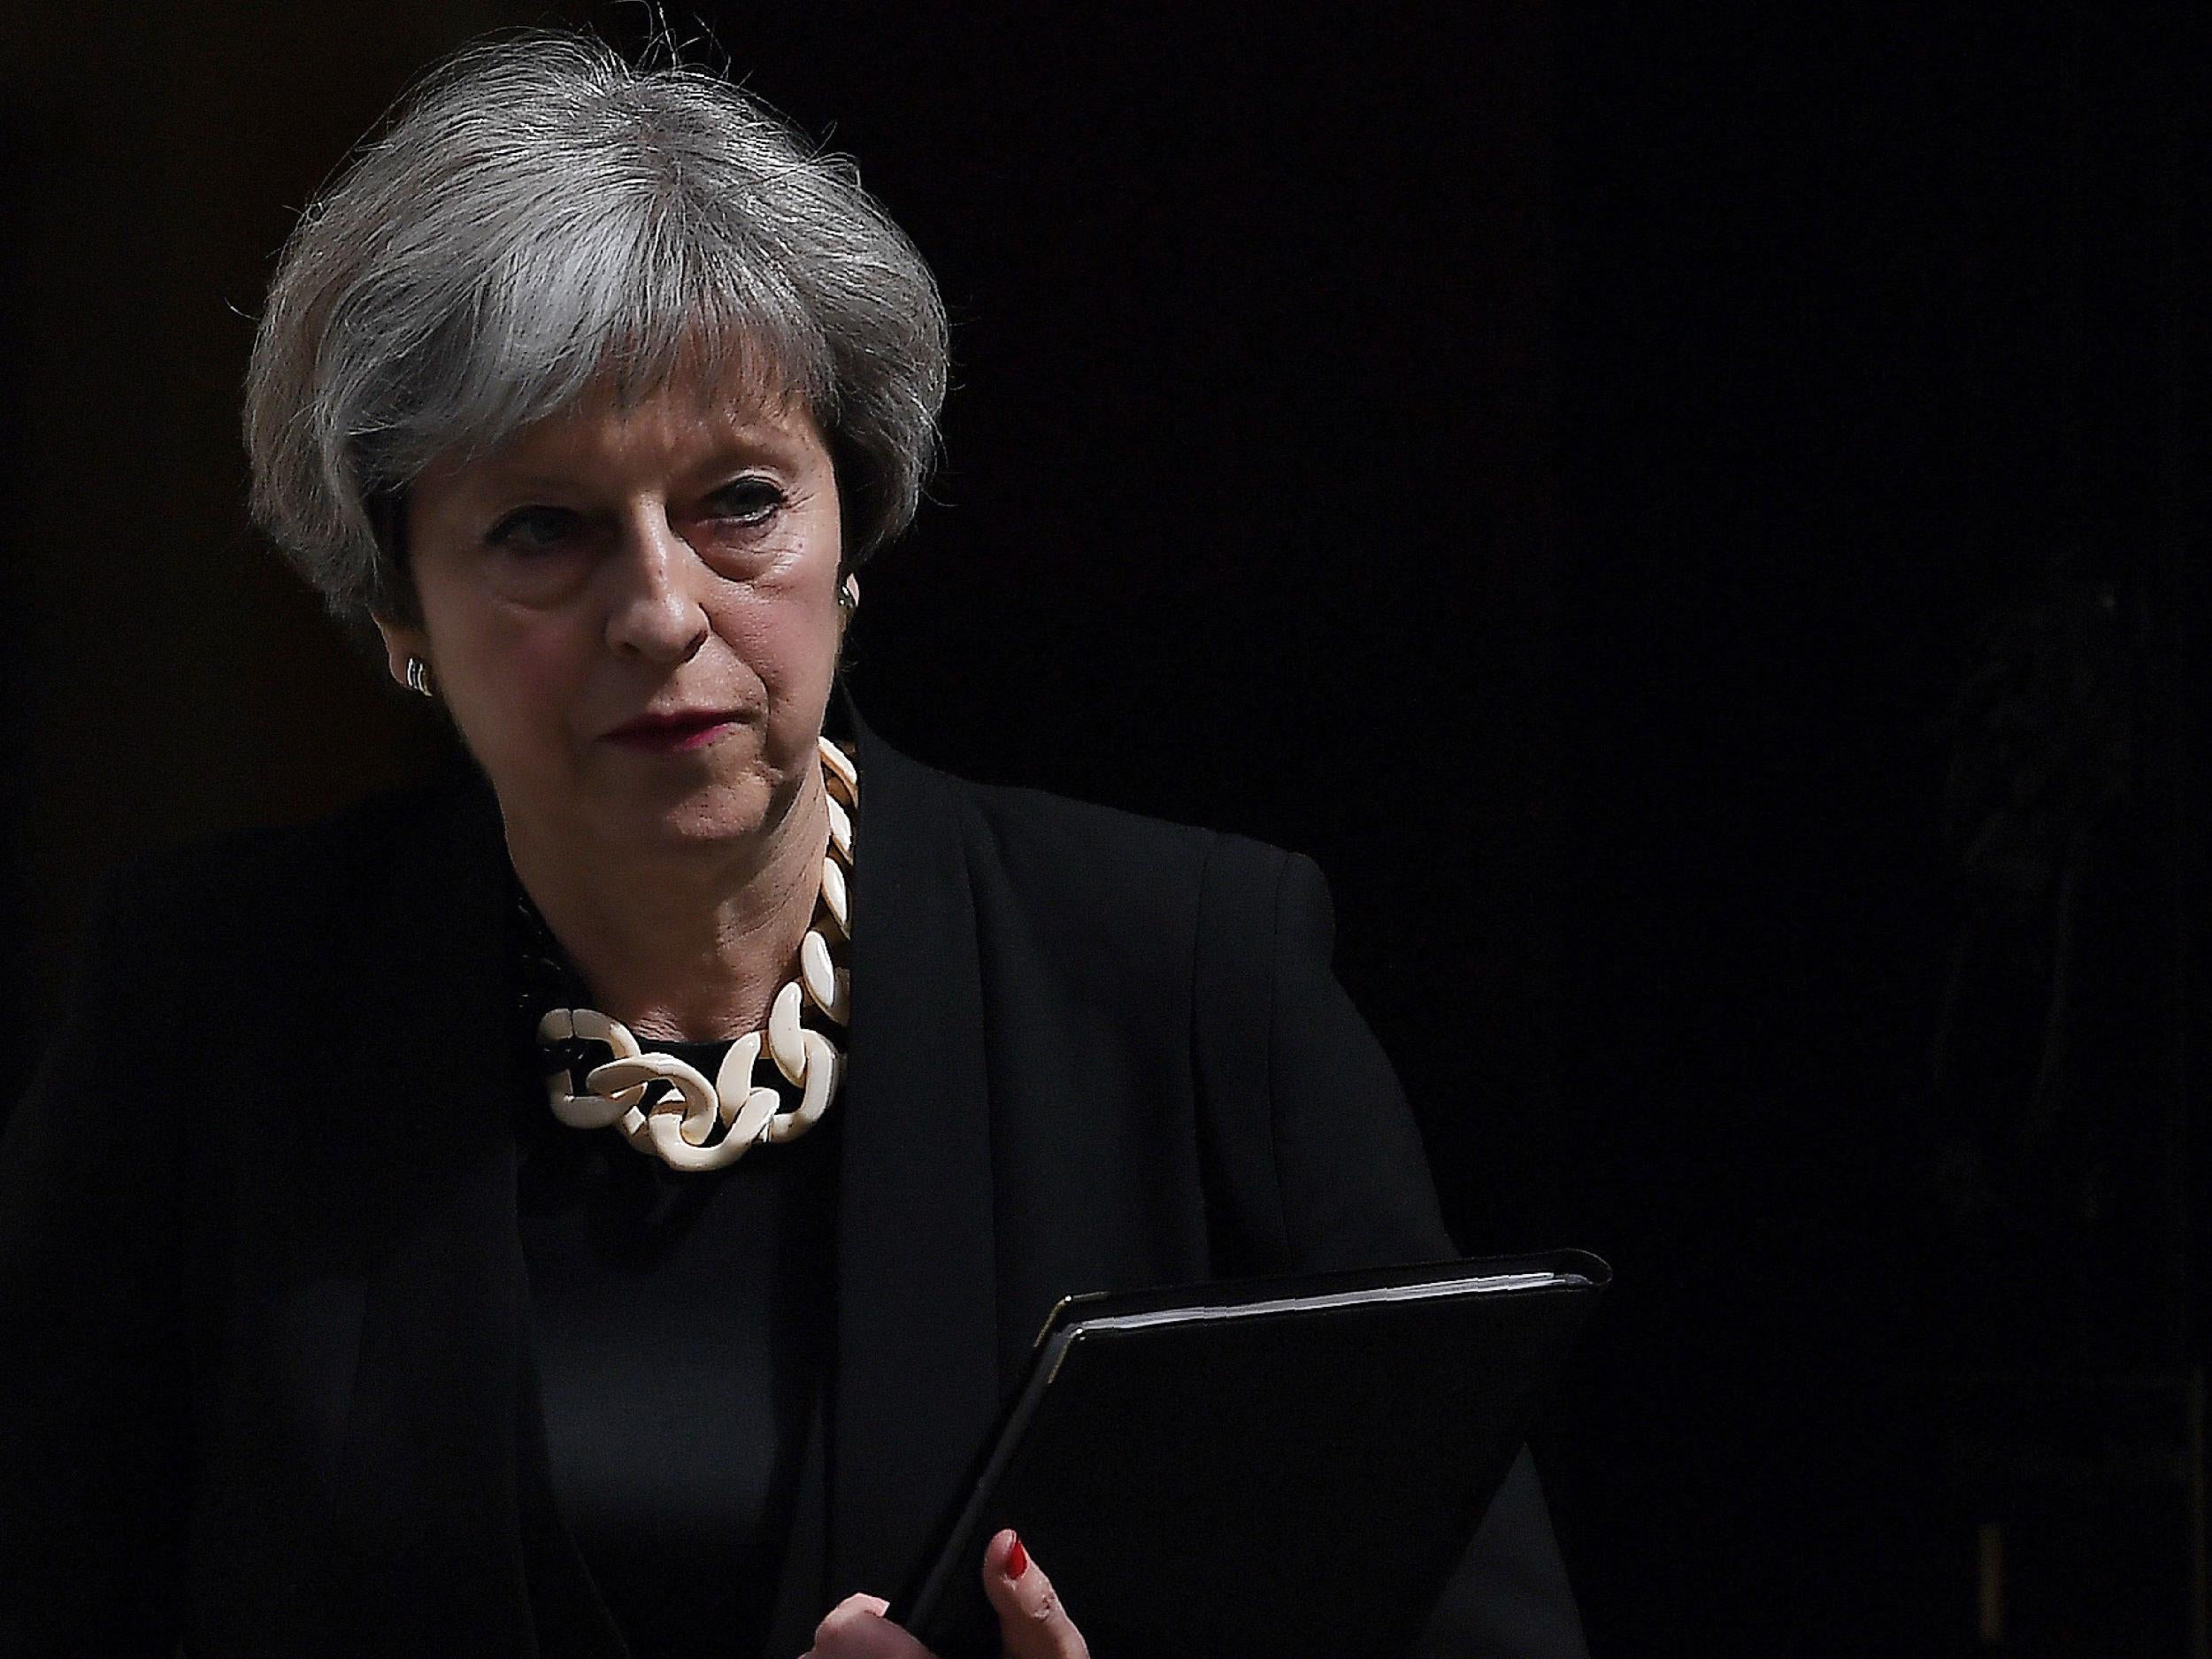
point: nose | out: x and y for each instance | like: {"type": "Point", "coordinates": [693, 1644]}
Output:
{"type": "Point", "coordinates": [654, 612]}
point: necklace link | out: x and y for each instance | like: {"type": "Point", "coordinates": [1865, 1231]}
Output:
{"type": "Point", "coordinates": [680, 1127]}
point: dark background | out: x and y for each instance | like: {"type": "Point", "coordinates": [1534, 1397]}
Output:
{"type": "Point", "coordinates": [1694, 514]}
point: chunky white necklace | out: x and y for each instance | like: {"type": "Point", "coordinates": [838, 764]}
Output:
{"type": "Point", "coordinates": [681, 1127]}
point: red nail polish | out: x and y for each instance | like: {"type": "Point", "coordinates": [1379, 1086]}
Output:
{"type": "Point", "coordinates": [1016, 1560]}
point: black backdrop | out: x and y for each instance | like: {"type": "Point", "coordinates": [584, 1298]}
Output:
{"type": "Point", "coordinates": [1692, 514]}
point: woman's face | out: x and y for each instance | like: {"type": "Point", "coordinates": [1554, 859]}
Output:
{"type": "Point", "coordinates": [631, 616]}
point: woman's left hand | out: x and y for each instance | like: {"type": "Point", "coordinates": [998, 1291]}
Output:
{"type": "Point", "coordinates": [1031, 1623]}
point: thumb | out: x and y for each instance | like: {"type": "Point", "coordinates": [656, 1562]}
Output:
{"type": "Point", "coordinates": [1031, 1623]}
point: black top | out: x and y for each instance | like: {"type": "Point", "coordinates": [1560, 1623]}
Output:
{"type": "Point", "coordinates": [679, 1322]}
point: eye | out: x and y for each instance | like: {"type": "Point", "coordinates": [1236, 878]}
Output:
{"type": "Point", "coordinates": [747, 501]}
{"type": "Point", "coordinates": [533, 529]}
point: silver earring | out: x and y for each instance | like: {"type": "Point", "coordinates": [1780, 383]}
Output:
{"type": "Point", "coordinates": [848, 597]}
{"type": "Point", "coordinates": [418, 677]}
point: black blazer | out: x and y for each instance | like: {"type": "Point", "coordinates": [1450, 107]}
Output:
{"type": "Point", "coordinates": [265, 1383]}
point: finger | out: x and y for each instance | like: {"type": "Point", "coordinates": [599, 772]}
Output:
{"type": "Point", "coordinates": [856, 1629]}
{"type": "Point", "coordinates": [1031, 1623]}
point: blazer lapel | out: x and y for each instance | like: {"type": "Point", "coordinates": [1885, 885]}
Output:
{"type": "Point", "coordinates": [916, 1386]}
{"type": "Point", "coordinates": [442, 1467]}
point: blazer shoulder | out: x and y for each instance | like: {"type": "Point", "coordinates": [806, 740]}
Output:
{"type": "Point", "coordinates": [1018, 816]}
{"type": "Point", "coordinates": [257, 887]}
{"type": "Point", "coordinates": [1124, 863]}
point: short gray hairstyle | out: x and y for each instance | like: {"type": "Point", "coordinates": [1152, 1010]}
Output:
{"type": "Point", "coordinates": [540, 218]}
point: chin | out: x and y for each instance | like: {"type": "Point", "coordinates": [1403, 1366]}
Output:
{"type": "Point", "coordinates": [717, 817]}
{"type": "Point", "coordinates": [696, 825]}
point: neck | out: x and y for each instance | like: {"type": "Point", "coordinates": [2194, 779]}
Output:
{"type": "Point", "coordinates": [689, 943]}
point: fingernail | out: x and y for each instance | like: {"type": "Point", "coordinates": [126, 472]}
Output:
{"type": "Point", "coordinates": [1016, 1559]}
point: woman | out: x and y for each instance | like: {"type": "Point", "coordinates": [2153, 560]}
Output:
{"type": "Point", "coordinates": [594, 1205]}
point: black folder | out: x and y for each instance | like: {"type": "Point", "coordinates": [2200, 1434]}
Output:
{"type": "Point", "coordinates": [1272, 1468]}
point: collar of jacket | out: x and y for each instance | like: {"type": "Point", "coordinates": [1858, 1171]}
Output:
{"type": "Point", "coordinates": [430, 1487]}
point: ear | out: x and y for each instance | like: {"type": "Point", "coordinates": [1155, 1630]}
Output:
{"type": "Point", "coordinates": [400, 641]}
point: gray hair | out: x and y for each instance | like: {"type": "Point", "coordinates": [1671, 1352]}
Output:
{"type": "Point", "coordinates": [540, 218]}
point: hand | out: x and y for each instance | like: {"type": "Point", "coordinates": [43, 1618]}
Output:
{"type": "Point", "coordinates": [1031, 1623]}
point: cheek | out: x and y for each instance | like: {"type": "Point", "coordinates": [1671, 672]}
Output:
{"type": "Point", "coordinates": [789, 642]}
{"type": "Point", "coordinates": [516, 680]}
{"type": "Point", "coordinates": [546, 658]}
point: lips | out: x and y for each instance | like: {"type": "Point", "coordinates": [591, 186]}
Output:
{"type": "Point", "coordinates": [673, 733]}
